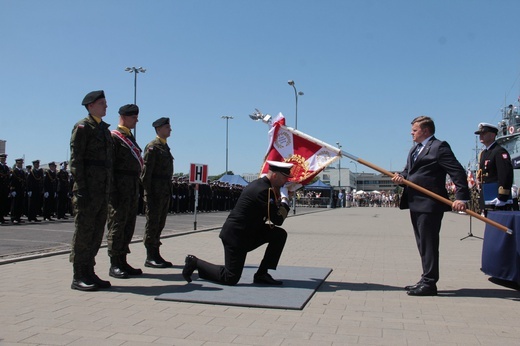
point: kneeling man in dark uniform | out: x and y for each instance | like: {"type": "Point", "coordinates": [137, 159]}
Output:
{"type": "Point", "coordinates": [262, 206]}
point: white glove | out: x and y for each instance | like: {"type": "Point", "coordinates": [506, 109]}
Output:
{"type": "Point", "coordinates": [498, 203]}
{"type": "Point", "coordinates": [13, 193]}
{"type": "Point", "coordinates": [46, 195]}
{"type": "Point", "coordinates": [29, 193]}
{"type": "Point", "coordinates": [284, 193]}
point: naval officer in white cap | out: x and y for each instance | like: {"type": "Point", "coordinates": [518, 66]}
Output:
{"type": "Point", "coordinates": [495, 169]}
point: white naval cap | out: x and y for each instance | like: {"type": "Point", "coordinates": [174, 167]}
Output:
{"type": "Point", "coordinates": [486, 127]}
{"type": "Point", "coordinates": [280, 167]}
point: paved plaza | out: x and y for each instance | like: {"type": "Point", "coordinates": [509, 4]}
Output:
{"type": "Point", "coordinates": [372, 254]}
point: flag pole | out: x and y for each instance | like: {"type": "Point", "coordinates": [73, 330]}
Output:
{"type": "Point", "coordinates": [428, 192]}
{"type": "Point", "coordinates": [405, 182]}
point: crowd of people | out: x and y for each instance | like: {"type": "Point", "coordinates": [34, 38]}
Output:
{"type": "Point", "coordinates": [33, 194]}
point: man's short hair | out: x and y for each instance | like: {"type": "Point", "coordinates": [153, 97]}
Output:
{"type": "Point", "coordinates": [425, 122]}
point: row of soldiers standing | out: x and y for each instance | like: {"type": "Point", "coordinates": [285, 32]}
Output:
{"type": "Point", "coordinates": [33, 191]}
{"type": "Point", "coordinates": [109, 169]}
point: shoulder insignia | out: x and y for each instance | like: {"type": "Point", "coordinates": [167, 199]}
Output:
{"type": "Point", "coordinates": [505, 156]}
{"type": "Point", "coordinates": [80, 126]}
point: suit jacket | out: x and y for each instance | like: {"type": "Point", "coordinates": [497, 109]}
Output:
{"type": "Point", "coordinates": [257, 203]}
{"type": "Point", "coordinates": [429, 171]}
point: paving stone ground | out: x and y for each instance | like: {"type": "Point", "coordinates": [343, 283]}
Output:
{"type": "Point", "coordinates": [373, 256]}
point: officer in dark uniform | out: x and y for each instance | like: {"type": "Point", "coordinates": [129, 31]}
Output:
{"type": "Point", "coordinates": [495, 167]}
{"type": "Point", "coordinates": [91, 154]}
{"type": "Point", "coordinates": [124, 196]}
{"type": "Point", "coordinates": [5, 173]}
{"type": "Point", "coordinates": [50, 192]}
{"type": "Point", "coordinates": [17, 186]}
{"type": "Point", "coordinates": [263, 200]}
{"type": "Point", "coordinates": [157, 182]}
{"type": "Point", "coordinates": [63, 191]}
{"type": "Point", "coordinates": [34, 191]}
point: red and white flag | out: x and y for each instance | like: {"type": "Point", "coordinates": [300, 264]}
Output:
{"type": "Point", "coordinates": [471, 179]}
{"type": "Point", "coordinates": [308, 155]}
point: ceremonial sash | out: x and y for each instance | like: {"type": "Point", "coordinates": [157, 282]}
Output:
{"type": "Point", "coordinates": [136, 152]}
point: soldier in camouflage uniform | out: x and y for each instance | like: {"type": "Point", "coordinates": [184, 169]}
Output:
{"type": "Point", "coordinates": [91, 156]}
{"type": "Point", "coordinates": [157, 182]}
{"type": "Point", "coordinates": [124, 195]}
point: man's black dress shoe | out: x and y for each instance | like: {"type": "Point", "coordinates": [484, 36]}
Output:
{"type": "Point", "coordinates": [189, 267]}
{"type": "Point", "coordinates": [266, 279]}
{"type": "Point", "coordinates": [156, 263]}
{"type": "Point", "coordinates": [423, 290]}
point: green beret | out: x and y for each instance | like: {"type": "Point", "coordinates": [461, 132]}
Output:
{"type": "Point", "coordinates": [93, 96]}
{"type": "Point", "coordinates": [160, 122]}
{"type": "Point", "coordinates": [129, 109]}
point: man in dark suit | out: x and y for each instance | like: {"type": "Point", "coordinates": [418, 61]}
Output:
{"type": "Point", "coordinates": [427, 165]}
{"type": "Point", "coordinates": [264, 200]}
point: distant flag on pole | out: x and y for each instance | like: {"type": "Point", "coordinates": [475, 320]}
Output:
{"type": "Point", "coordinates": [308, 155]}
{"type": "Point", "coordinates": [471, 179]}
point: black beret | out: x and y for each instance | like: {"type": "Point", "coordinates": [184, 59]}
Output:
{"type": "Point", "coordinates": [93, 96]}
{"type": "Point", "coordinates": [129, 109]}
{"type": "Point", "coordinates": [3, 155]}
{"type": "Point", "coordinates": [36, 161]}
{"type": "Point", "coordinates": [52, 163]}
{"type": "Point", "coordinates": [161, 122]}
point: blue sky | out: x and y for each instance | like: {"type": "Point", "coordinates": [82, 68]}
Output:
{"type": "Point", "coordinates": [366, 68]}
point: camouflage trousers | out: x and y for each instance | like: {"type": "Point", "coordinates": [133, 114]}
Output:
{"type": "Point", "coordinates": [122, 213]}
{"type": "Point", "coordinates": [90, 220]}
{"type": "Point", "coordinates": [156, 212]}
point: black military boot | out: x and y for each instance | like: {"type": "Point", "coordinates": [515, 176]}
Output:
{"type": "Point", "coordinates": [128, 268]}
{"type": "Point", "coordinates": [94, 278]}
{"type": "Point", "coordinates": [154, 259]}
{"type": "Point", "coordinates": [81, 281]}
{"type": "Point", "coordinates": [116, 268]}
{"type": "Point", "coordinates": [166, 263]}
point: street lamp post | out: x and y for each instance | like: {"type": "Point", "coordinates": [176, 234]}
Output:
{"type": "Point", "coordinates": [339, 175]}
{"type": "Point", "coordinates": [296, 94]}
{"type": "Point", "coordinates": [227, 117]}
{"type": "Point", "coordinates": [135, 71]}
{"type": "Point", "coordinates": [353, 199]}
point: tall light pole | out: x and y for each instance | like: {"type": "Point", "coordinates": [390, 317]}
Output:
{"type": "Point", "coordinates": [339, 166]}
{"type": "Point", "coordinates": [227, 117]}
{"type": "Point", "coordinates": [135, 71]}
{"type": "Point", "coordinates": [296, 94]}
{"type": "Point", "coordinates": [354, 162]}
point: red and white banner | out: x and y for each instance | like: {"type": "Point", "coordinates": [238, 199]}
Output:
{"type": "Point", "coordinates": [308, 155]}
{"type": "Point", "coordinates": [471, 179]}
